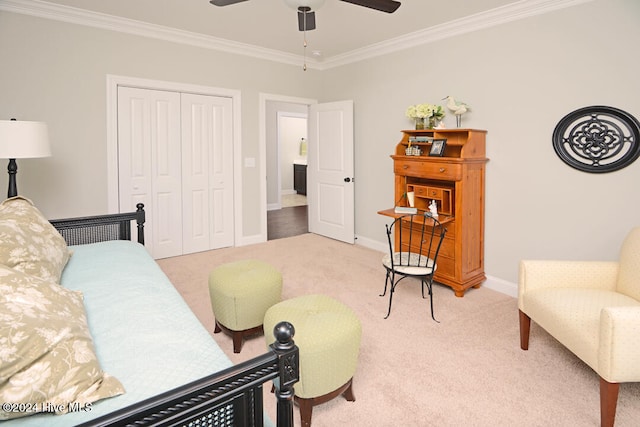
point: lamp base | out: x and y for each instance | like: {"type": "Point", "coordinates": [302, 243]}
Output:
{"type": "Point", "coordinates": [13, 170]}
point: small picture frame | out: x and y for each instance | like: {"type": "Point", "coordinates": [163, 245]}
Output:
{"type": "Point", "coordinates": [437, 147]}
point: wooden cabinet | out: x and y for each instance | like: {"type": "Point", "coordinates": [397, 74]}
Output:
{"type": "Point", "coordinates": [456, 182]}
{"type": "Point", "coordinates": [300, 178]}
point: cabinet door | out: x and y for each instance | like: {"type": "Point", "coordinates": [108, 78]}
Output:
{"type": "Point", "coordinates": [300, 179]}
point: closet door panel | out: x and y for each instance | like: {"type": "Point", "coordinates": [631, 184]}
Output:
{"type": "Point", "coordinates": [149, 164]}
{"type": "Point", "coordinates": [221, 174]}
{"type": "Point", "coordinates": [207, 179]}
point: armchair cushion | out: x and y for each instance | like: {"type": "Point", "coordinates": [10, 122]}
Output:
{"type": "Point", "coordinates": [573, 317]}
{"type": "Point", "coordinates": [543, 274]}
{"type": "Point", "coordinates": [619, 352]}
{"type": "Point", "coordinates": [629, 274]}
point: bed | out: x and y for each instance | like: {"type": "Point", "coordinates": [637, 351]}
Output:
{"type": "Point", "coordinates": [145, 336]}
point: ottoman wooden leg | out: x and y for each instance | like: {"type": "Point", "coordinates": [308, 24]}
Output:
{"type": "Point", "coordinates": [306, 405]}
{"type": "Point", "coordinates": [348, 393]}
{"type": "Point", "coordinates": [238, 336]}
{"type": "Point", "coordinates": [238, 340]}
{"type": "Point", "coordinates": [306, 409]}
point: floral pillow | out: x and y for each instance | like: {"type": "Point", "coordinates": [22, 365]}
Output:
{"type": "Point", "coordinates": [28, 242]}
{"type": "Point", "coordinates": [47, 358]}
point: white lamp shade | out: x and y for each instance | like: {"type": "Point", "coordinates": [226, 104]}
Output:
{"type": "Point", "coordinates": [23, 139]}
{"type": "Point", "coordinates": [312, 4]}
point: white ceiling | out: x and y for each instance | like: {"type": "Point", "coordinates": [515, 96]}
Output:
{"type": "Point", "coordinates": [343, 29]}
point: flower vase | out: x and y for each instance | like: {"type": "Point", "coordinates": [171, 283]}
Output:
{"type": "Point", "coordinates": [431, 123]}
{"type": "Point", "coordinates": [421, 123]}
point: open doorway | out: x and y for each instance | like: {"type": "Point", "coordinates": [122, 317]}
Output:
{"type": "Point", "coordinates": [287, 171]}
{"type": "Point", "coordinates": [292, 158]}
{"type": "Point", "coordinates": [330, 171]}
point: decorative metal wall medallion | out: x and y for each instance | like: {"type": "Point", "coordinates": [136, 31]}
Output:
{"type": "Point", "coordinates": [597, 139]}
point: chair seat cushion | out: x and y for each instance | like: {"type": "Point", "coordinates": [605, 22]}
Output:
{"type": "Point", "coordinates": [410, 263]}
{"type": "Point", "coordinates": [572, 316]}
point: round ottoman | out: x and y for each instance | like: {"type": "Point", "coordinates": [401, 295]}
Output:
{"type": "Point", "coordinates": [328, 336]}
{"type": "Point", "coordinates": [241, 292]}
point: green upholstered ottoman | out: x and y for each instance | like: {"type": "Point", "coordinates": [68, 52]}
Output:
{"type": "Point", "coordinates": [241, 292]}
{"type": "Point", "coordinates": [328, 335]}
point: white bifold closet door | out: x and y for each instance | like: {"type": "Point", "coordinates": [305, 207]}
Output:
{"type": "Point", "coordinates": [207, 172]}
{"type": "Point", "coordinates": [175, 155]}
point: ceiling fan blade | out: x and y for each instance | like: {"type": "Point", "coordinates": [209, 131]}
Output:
{"type": "Point", "coordinates": [225, 2]}
{"type": "Point", "coordinates": [388, 6]}
{"type": "Point", "coordinates": [306, 19]}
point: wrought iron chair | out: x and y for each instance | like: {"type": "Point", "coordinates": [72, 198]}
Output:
{"type": "Point", "coordinates": [414, 243]}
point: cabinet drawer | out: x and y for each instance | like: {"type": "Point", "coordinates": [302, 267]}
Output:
{"type": "Point", "coordinates": [430, 192]}
{"type": "Point", "coordinates": [446, 264]}
{"type": "Point", "coordinates": [446, 268]}
{"type": "Point", "coordinates": [428, 170]}
{"type": "Point", "coordinates": [447, 248]}
{"type": "Point", "coordinates": [449, 227]}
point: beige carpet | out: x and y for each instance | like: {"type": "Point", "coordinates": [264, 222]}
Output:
{"type": "Point", "coordinates": [467, 370]}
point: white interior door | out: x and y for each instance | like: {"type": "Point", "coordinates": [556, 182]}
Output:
{"type": "Point", "coordinates": [207, 172]}
{"type": "Point", "coordinates": [330, 171]}
{"type": "Point", "coordinates": [149, 168]}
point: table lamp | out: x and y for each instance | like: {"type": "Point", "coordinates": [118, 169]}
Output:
{"type": "Point", "coordinates": [22, 140]}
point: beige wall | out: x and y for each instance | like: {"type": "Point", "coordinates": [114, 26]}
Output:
{"type": "Point", "coordinates": [520, 78]}
{"type": "Point", "coordinates": [56, 72]}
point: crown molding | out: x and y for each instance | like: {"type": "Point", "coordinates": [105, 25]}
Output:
{"type": "Point", "coordinates": [490, 18]}
{"type": "Point", "coordinates": [43, 9]}
{"type": "Point", "coordinates": [512, 12]}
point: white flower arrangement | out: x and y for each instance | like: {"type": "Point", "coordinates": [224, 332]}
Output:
{"type": "Point", "coordinates": [420, 111]}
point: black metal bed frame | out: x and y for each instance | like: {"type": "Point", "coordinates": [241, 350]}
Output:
{"type": "Point", "coordinates": [231, 397]}
{"type": "Point", "coordinates": [100, 228]}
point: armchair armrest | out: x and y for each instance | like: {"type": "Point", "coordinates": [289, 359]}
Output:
{"type": "Point", "coordinates": [619, 349]}
{"type": "Point", "coordinates": [539, 274]}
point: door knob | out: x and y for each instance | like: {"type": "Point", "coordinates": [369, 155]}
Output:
{"type": "Point", "coordinates": [347, 179]}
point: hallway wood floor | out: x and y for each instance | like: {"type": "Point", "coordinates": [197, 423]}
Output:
{"type": "Point", "coordinates": [287, 222]}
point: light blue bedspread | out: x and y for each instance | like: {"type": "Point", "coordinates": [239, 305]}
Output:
{"type": "Point", "coordinates": [144, 333]}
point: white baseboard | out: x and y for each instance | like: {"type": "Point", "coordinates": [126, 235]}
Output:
{"type": "Point", "coordinates": [494, 283]}
{"type": "Point", "coordinates": [252, 240]}
{"type": "Point", "coordinates": [501, 285]}
{"type": "Point", "coordinates": [371, 244]}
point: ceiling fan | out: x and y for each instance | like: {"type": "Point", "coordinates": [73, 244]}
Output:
{"type": "Point", "coordinates": [306, 8]}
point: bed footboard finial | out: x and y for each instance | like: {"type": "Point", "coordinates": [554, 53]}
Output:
{"type": "Point", "coordinates": [140, 219]}
{"type": "Point", "coordinates": [289, 371]}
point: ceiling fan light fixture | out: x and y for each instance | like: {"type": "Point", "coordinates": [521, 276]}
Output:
{"type": "Point", "coordinates": [311, 4]}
